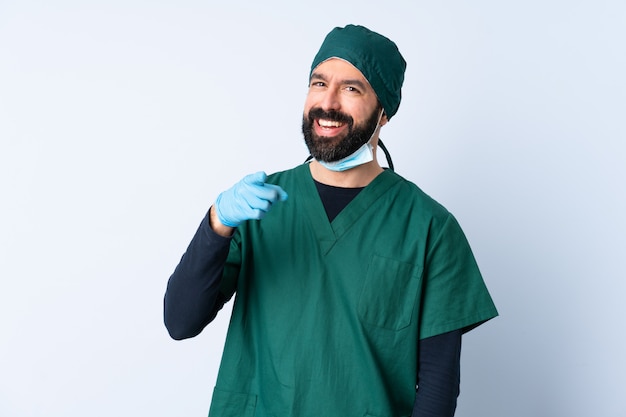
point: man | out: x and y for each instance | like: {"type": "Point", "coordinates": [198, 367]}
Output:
{"type": "Point", "coordinates": [353, 286]}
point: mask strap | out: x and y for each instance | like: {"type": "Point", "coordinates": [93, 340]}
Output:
{"type": "Point", "coordinates": [380, 116]}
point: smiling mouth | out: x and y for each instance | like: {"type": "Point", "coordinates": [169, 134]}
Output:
{"type": "Point", "coordinates": [329, 123]}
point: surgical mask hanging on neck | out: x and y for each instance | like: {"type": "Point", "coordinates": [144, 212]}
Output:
{"type": "Point", "coordinates": [361, 156]}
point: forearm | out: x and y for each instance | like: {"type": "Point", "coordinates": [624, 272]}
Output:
{"type": "Point", "coordinates": [192, 297]}
{"type": "Point", "coordinates": [438, 375]}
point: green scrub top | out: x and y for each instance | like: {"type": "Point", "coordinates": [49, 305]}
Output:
{"type": "Point", "coordinates": [327, 316]}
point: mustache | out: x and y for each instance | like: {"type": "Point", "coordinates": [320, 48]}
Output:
{"type": "Point", "coordinates": [334, 115]}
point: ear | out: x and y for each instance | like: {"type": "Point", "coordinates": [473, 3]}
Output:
{"type": "Point", "coordinates": [383, 119]}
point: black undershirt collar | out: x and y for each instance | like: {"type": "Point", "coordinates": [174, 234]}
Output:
{"type": "Point", "coordinates": [335, 199]}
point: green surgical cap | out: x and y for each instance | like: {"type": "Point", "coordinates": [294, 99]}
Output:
{"type": "Point", "coordinates": [376, 56]}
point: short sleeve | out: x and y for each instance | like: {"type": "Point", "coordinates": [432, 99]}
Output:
{"type": "Point", "coordinates": [454, 293]}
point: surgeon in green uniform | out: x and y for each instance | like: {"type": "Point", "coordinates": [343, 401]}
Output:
{"type": "Point", "coordinates": [352, 286]}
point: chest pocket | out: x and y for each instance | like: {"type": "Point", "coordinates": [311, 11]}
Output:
{"type": "Point", "coordinates": [389, 293]}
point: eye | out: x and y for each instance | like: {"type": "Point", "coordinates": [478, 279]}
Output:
{"type": "Point", "coordinates": [352, 89]}
{"type": "Point", "coordinates": [318, 84]}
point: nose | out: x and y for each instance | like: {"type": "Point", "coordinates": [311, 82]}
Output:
{"type": "Point", "coordinates": [330, 100]}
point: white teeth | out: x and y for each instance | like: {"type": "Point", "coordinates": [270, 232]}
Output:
{"type": "Point", "coordinates": [329, 123]}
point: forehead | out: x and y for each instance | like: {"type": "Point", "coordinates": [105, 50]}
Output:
{"type": "Point", "coordinates": [339, 70]}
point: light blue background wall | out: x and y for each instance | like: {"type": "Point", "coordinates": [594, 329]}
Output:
{"type": "Point", "coordinates": [121, 121]}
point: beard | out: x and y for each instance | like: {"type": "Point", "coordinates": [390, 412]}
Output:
{"type": "Point", "coordinates": [324, 148]}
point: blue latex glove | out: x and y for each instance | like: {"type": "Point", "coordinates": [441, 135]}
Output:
{"type": "Point", "coordinates": [251, 198]}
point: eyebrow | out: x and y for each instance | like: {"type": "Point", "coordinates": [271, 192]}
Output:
{"type": "Point", "coordinates": [358, 83]}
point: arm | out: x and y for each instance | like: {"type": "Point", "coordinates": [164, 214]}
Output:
{"type": "Point", "coordinates": [438, 375]}
{"type": "Point", "coordinates": [192, 298]}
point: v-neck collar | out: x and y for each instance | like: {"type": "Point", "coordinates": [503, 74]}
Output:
{"type": "Point", "coordinates": [328, 233]}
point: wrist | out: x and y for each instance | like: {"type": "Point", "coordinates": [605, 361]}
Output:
{"type": "Point", "coordinates": [217, 226]}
